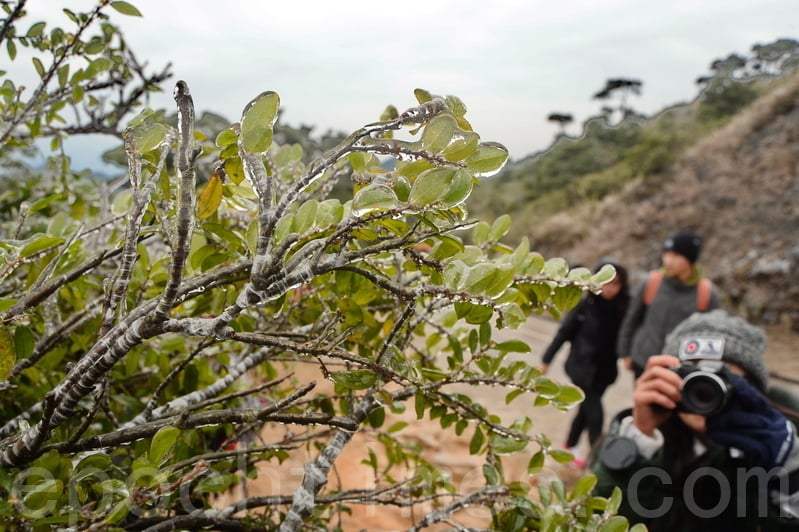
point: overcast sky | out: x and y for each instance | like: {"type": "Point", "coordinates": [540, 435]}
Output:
{"type": "Point", "coordinates": [337, 64]}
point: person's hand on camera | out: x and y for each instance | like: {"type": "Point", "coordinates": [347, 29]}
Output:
{"type": "Point", "coordinates": [656, 394]}
{"type": "Point", "coordinates": [750, 424]}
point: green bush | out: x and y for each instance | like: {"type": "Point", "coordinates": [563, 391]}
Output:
{"type": "Point", "coordinates": [150, 327]}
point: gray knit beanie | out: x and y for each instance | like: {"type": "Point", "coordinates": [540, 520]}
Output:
{"type": "Point", "coordinates": [743, 343]}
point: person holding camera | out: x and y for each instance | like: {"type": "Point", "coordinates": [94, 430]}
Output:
{"type": "Point", "coordinates": [664, 299]}
{"type": "Point", "coordinates": [707, 445]}
{"type": "Point", "coordinates": [591, 329]}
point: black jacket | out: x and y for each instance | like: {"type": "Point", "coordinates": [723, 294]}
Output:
{"type": "Point", "coordinates": [592, 330]}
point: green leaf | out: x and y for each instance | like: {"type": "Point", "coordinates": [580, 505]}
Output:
{"type": "Point", "coordinates": [479, 278]}
{"type": "Point", "coordinates": [118, 512]}
{"type": "Point", "coordinates": [419, 404]}
{"type": "Point", "coordinates": [373, 197]}
{"type": "Point", "coordinates": [359, 379]}
{"type": "Point", "coordinates": [614, 501]}
{"type": "Point", "coordinates": [489, 159]}
{"type": "Point", "coordinates": [438, 133]}
{"type": "Point", "coordinates": [284, 227]}
{"type": "Point", "coordinates": [491, 475]}
{"type": "Point", "coordinates": [583, 487]}
{"type": "Point", "coordinates": [94, 465]}
{"type": "Point", "coordinates": [462, 147]}
{"type": "Point", "coordinates": [513, 394]}
{"type": "Point", "coordinates": [162, 443]}
{"type": "Point", "coordinates": [477, 441]}
{"type": "Point", "coordinates": [506, 445]}
{"type": "Point", "coordinates": [234, 169]}
{"type": "Point", "coordinates": [546, 387]}
{"type": "Point", "coordinates": [41, 498]}
{"type": "Point", "coordinates": [306, 216]}
{"type": "Point", "coordinates": [217, 483]}
{"type": "Point", "coordinates": [459, 189]}
{"type": "Point", "coordinates": [431, 186]}
{"type": "Point", "coordinates": [569, 394]}
{"type": "Point", "coordinates": [500, 227]}
{"type": "Point", "coordinates": [12, 49]}
{"type": "Point", "coordinates": [8, 353]}
{"type": "Point", "coordinates": [126, 8]}
{"type": "Point", "coordinates": [150, 137]}
{"type": "Point", "coordinates": [377, 417]}
{"type": "Point", "coordinates": [37, 64]}
{"type": "Point", "coordinates": [422, 96]}
{"type": "Point", "coordinates": [38, 244]}
{"type": "Point", "coordinates": [566, 297]}
{"type": "Point", "coordinates": [561, 456]}
{"type": "Point", "coordinates": [617, 523]}
{"type": "Point", "coordinates": [536, 463]}
{"type": "Point", "coordinates": [513, 346]}
{"type": "Point", "coordinates": [209, 199]}
{"type": "Point", "coordinates": [63, 75]}
{"type": "Point", "coordinates": [36, 30]}
{"type": "Point", "coordinates": [257, 121]}
{"type": "Point", "coordinates": [226, 137]}
{"type": "Point", "coordinates": [23, 342]}
{"type": "Point", "coordinates": [606, 274]}
{"type": "Point", "coordinates": [556, 268]}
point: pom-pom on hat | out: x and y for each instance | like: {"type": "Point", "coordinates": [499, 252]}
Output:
{"type": "Point", "coordinates": [685, 243]}
{"type": "Point", "coordinates": [740, 342]}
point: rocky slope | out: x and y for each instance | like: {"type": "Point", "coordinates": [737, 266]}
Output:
{"type": "Point", "coordinates": [738, 187]}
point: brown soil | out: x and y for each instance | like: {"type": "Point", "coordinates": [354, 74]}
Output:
{"type": "Point", "coordinates": [445, 449]}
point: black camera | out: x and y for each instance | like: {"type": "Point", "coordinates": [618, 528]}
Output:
{"type": "Point", "coordinates": [706, 386]}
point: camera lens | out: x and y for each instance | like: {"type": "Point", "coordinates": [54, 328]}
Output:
{"type": "Point", "coordinates": [703, 393]}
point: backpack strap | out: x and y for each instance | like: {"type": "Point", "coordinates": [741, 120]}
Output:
{"type": "Point", "coordinates": [703, 292]}
{"type": "Point", "coordinates": [704, 289]}
{"type": "Point", "coordinates": [652, 286]}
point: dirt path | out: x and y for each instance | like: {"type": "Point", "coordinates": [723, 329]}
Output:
{"type": "Point", "coordinates": [451, 453]}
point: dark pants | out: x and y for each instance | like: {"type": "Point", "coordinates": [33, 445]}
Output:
{"type": "Point", "coordinates": [590, 416]}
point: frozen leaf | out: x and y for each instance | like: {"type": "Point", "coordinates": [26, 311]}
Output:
{"type": "Point", "coordinates": [306, 216]}
{"type": "Point", "coordinates": [209, 199]}
{"type": "Point", "coordinates": [604, 275]}
{"type": "Point", "coordinates": [257, 121]}
{"type": "Point", "coordinates": [438, 133]}
{"type": "Point", "coordinates": [617, 523]}
{"type": "Point", "coordinates": [459, 190]}
{"type": "Point", "coordinates": [422, 96]}
{"type": "Point", "coordinates": [489, 159]}
{"type": "Point", "coordinates": [461, 148]}
{"type": "Point", "coordinates": [431, 186]}
{"type": "Point", "coordinates": [373, 197]}
{"type": "Point", "coordinates": [226, 137]}
{"type": "Point", "coordinates": [234, 170]}
{"type": "Point", "coordinates": [150, 137]}
{"type": "Point", "coordinates": [162, 443]}
{"type": "Point", "coordinates": [39, 244]}
{"type": "Point", "coordinates": [359, 379]}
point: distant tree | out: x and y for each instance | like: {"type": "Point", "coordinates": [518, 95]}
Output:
{"type": "Point", "coordinates": [728, 89]}
{"type": "Point", "coordinates": [625, 87]}
{"type": "Point", "coordinates": [732, 66]}
{"type": "Point", "coordinates": [772, 58]}
{"type": "Point", "coordinates": [562, 119]}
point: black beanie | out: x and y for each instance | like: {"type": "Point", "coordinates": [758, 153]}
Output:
{"type": "Point", "coordinates": [685, 243]}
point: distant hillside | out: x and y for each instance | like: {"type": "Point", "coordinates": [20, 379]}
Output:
{"type": "Point", "coordinates": [736, 184]}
